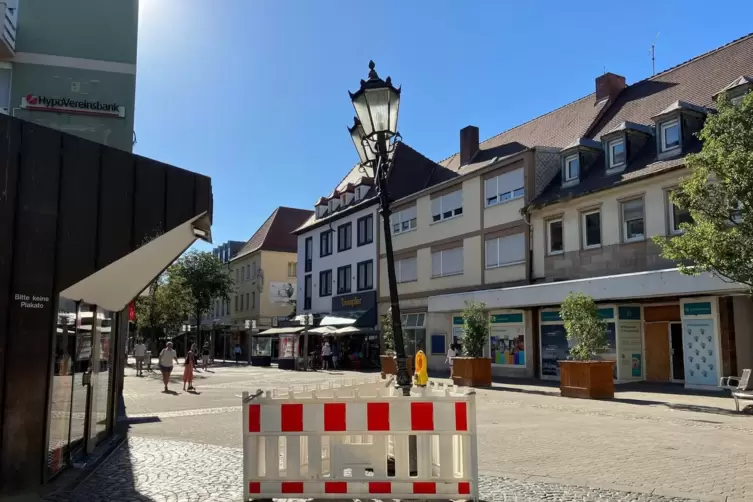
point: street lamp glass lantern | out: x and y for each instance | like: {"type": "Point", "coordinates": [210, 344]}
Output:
{"type": "Point", "coordinates": [377, 104]}
{"type": "Point", "coordinates": [365, 154]}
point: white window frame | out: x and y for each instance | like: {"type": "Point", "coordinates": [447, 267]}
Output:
{"type": "Point", "coordinates": [673, 228]}
{"type": "Point", "coordinates": [584, 235]}
{"type": "Point", "coordinates": [625, 237]}
{"type": "Point", "coordinates": [549, 249]}
{"type": "Point", "coordinates": [499, 263]}
{"type": "Point", "coordinates": [568, 160]}
{"type": "Point", "coordinates": [399, 269]}
{"type": "Point", "coordinates": [611, 145]}
{"type": "Point", "coordinates": [515, 193]}
{"type": "Point", "coordinates": [456, 212]}
{"type": "Point", "coordinates": [441, 263]}
{"type": "Point", "coordinates": [397, 219]}
{"type": "Point", "coordinates": [662, 131]}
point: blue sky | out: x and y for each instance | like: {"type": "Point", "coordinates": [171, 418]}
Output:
{"type": "Point", "coordinates": [254, 93]}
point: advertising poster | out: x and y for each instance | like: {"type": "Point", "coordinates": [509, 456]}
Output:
{"type": "Point", "coordinates": [700, 352]}
{"type": "Point", "coordinates": [630, 350]}
{"type": "Point", "coordinates": [508, 345]}
{"type": "Point", "coordinates": [554, 348]}
{"type": "Point", "coordinates": [281, 292]}
{"type": "Point", "coordinates": [610, 354]}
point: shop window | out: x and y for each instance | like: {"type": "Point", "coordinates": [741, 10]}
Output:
{"type": "Point", "coordinates": [555, 240]}
{"type": "Point", "coordinates": [591, 228]}
{"type": "Point", "coordinates": [447, 206]}
{"type": "Point", "coordinates": [447, 262]}
{"type": "Point", "coordinates": [507, 250]}
{"type": "Point", "coordinates": [414, 333]}
{"type": "Point", "coordinates": [507, 186]}
{"type": "Point", "coordinates": [507, 340]}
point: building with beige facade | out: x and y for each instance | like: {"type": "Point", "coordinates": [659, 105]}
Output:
{"type": "Point", "coordinates": [264, 271]}
{"type": "Point", "coordinates": [570, 201]}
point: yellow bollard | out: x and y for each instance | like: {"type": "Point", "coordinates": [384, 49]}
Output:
{"type": "Point", "coordinates": [422, 376]}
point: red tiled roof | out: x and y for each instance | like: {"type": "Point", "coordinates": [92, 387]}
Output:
{"type": "Point", "coordinates": [275, 233]}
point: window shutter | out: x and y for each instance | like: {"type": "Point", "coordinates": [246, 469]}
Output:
{"type": "Point", "coordinates": [436, 263]}
{"type": "Point", "coordinates": [491, 188]}
{"type": "Point", "coordinates": [436, 206]}
{"type": "Point", "coordinates": [512, 248]}
{"type": "Point", "coordinates": [492, 248]}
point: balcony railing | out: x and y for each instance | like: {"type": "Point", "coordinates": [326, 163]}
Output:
{"type": "Point", "coordinates": [9, 16]}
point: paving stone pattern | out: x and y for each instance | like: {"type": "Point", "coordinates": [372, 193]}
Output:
{"type": "Point", "coordinates": [176, 471]}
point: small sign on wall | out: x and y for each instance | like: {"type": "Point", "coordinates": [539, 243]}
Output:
{"type": "Point", "coordinates": [438, 344]}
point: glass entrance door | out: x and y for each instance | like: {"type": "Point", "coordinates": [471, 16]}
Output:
{"type": "Point", "coordinates": [82, 372]}
{"type": "Point", "coordinates": [677, 352]}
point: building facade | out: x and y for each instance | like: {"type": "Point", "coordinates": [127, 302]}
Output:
{"type": "Point", "coordinates": [264, 271]}
{"type": "Point", "coordinates": [600, 196]}
{"type": "Point", "coordinates": [71, 66]}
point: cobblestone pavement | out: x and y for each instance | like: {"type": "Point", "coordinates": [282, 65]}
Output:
{"type": "Point", "coordinates": [172, 471]}
{"type": "Point", "coordinates": [533, 444]}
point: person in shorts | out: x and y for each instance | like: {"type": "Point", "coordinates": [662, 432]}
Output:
{"type": "Point", "coordinates": [139, 352]}
{"type": "Point", "coordinates": [205, 355]}
{"type": "Point", "coordinates": [166, 358]}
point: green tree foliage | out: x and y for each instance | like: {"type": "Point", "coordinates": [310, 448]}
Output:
{"type": "Point", "coordinates": [475, 329]}
{"type": "Point", "coordinates": [586, 330]}
{"type": "Point", "coordinates": [164, 308]}
{"type": "Point", "coordinates": [205, 278]}
{"type": "Point", "coordinates": [719, 195]}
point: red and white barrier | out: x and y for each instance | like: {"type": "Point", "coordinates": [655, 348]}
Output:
{"type": "Point", "coordinates": [340, 443]}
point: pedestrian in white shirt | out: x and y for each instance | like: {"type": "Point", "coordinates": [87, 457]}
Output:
{"type": "Point", "coordinates": [451, 354]}
{"type": "Point", "coordinates": [166, 358]}
{"type": "Point", "coordinates": [326, 356]}
{"type": "Point", "coordinates": [139, 352]}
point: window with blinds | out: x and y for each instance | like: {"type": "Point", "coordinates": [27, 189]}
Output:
{"type": "Point", "coordinates": [447, 262]}
{"type": "Point", "coordinates": [447, 206]}
{"type": "Point", "coordinates": [407, 270]}
{"type": "Point", "coordinates": [507, 186]}
{"type": "Point", "coordinates": [507, 250]}
{"type": "Point", "coordinates": [405, 220]}
{"type": "Point", "coordinates": [632, 220]}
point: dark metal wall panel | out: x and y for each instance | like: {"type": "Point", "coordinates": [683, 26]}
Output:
{"type": "Point", "coordinates": [203, 196]}
{"type": "Point", "coordinates": [115, 206]}
{"type": "Point", "coordinates": [10, 139]}
{"type": "Point", "coordinates": [180, 197]}
{"type": "Point", "coordinates": [28, 357]}
{"type": "Point", "coordinates": [77, 224]}
{"type": "Point", "coordinates": [149, 201]}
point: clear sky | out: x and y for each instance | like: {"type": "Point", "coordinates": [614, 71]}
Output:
{"type": "Point", "coordinates": [254, 92]}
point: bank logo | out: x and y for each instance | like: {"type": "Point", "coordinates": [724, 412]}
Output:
{"type": "Point", "coordinates": [32, 99]}
{"type": "Point", "coordinates": [72, 106]}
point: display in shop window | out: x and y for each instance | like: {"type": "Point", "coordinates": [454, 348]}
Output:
{"type": "Point", "coordinates": [700, 366]}
{"type": "Point", "coordinates": [288, 346]}
{"type": "Point", "coordinates": [508, 345]}
{"type": "Point", "coordinates": [554, 347]}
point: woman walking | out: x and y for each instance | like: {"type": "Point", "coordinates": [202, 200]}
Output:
{"type": "Point", "coordinates": [166, 358]}
{"type": "Point", "coordinates": [450, 359]}
{"type": "Point", "coordinates": [189, 364]}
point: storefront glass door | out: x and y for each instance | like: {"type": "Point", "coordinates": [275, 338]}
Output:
{"type": "Point", "coordinates": [677, 352]}
{"type": "Point", "coordinates": [82, 367]}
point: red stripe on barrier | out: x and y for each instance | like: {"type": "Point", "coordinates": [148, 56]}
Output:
{"type": "Point", "coordinates": [461, 416]}
{"type": "Point", "coordinates": [334, 418]}
{"type": "Point", "coordinates": [254, 418]}
{"type": "Point", "coordinates": [291, 486]}
{"type": "Point", "coordinates": [291, 418]}
{"type": "Point", "coordinates": [424, 488]}
{"type": "Point", "coordinates": [254, 487]}
{"type": "Point", "coordinates": [422, 416]}
{"type": "Point", "coordinates": [378, 417]}
{"type": "Point", "coordinates": [335, 487]}
{"type": "Point", "coordinates": [380, 487]}
{"type": "Point", "coordinates": [464, 488]}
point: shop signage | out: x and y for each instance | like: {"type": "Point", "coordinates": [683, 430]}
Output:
{"type": "Point", "coordinates": [606, 313]}
{"type": "Point", "coordinates": [550, 316]}
{"type": "Point", "coordinates": [697, 308]}
{"type": "Point", "coordinates": [357, 301]}
{"type": "Point", "coordinates": [700, 351]}
{"type": "Point", "coordinates": [43, 103]}
{"type": "Point", "coordinates": [629, 313]}
{"type": "Point", "coordinates": [457, 320]}
{"type": "Point", "coordinates": [506, 318]}
{"type": "Point", "coordinates": [631, 348]}
{"type": "Point", "coordinates": [438, 342]}
{"type": "Point", "coordinates": [31, 301]}
{"type": "Point", "coordinates": [554, 347]}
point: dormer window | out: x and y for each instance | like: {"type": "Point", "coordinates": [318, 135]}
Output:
{"type": "Point", "coordinates": [572, 168]}
{"type": "Point", "coordinates": [670, 135]}
{"type": "Point", "coordinates": [616, 153]}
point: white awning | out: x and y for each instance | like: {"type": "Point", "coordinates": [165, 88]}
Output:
{"type": "Point", "coordinates": [324, 330]}
{"type": "Point", "coordinates": [654, 284]}
{"type": "Point", "coordinates": [280, 331]}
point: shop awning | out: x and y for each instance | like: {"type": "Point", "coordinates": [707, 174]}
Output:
{"type": "Point", "coordinates": [280, 331]}
{"type": "Point", "coordinates": [356, 318]}
{"type": "Point", "coordinates": [654, 284]}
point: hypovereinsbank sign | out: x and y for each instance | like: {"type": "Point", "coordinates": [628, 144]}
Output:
{"type": "Point", "coordinates": [72, 106]}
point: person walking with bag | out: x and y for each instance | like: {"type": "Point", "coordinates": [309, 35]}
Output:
{"type": "Point", "coordinates": [189, 364]}
{"type": "Point", "coordinates": [166, 358]}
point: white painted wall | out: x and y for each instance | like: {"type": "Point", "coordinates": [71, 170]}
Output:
{"type": "Point", "coordinates": [351, 257]}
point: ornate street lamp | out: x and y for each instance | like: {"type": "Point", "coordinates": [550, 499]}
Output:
{"type": "Point", "coordinates": [375, 136]}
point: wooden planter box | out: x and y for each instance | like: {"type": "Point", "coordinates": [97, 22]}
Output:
{"type": "Point", "coordinates": [389, 365]}
{"type": "Point", "coordinates": [472, 371]}
{"type": "Point", "coordinates": [586, 379]}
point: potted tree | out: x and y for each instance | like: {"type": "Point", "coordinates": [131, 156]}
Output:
{"type": "Point", "coordinates": [473, 369]}
{"type": "Point", "coordinates": [585, 374]}
{"type": "Point", "coordinates": [387, 358]}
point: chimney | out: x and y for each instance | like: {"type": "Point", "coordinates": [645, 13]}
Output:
{"type": "Point", "coordinates": [468, 144]}
{"type": "Point", "coordinates": [609, 86]}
